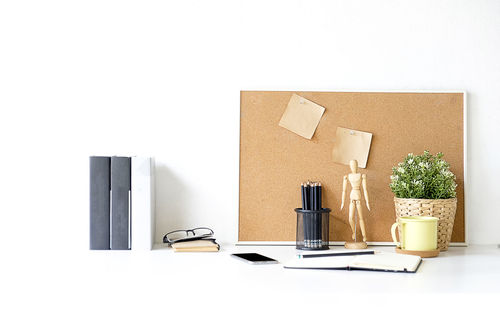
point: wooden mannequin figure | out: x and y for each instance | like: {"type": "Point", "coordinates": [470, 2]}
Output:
{"type": "Point", "coordinates": [357, 180]}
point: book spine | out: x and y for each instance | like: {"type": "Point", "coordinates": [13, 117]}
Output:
{"type": "Point", "coordinates": [143, 203]}
{"type": "Point", "coordinates": [120, 203]}
{"type": "Point", "coordinates": [99, 202]}
{"type": "Point", "coordinates": [152, 219]}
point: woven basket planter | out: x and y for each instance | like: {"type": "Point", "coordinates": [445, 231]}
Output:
{"type": "Point", "coordinates": [444, 209]}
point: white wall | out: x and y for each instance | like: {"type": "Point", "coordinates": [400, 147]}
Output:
{"type": "Point", "coordinates": [163, 78]}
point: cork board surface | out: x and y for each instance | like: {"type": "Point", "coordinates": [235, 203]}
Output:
{"type": "Point", "coordinates": [274, 161]}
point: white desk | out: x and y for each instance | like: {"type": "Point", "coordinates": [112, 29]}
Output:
{"type": "Point", "coordinates": [131, 280]}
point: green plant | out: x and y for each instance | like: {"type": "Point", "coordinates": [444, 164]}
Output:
{"type": "Point", "coordinates": [423, 177]}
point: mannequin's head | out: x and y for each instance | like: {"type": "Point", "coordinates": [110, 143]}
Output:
{"type": "Point", "coordinates": [354, 166]}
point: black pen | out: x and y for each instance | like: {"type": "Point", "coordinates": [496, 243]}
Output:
{"type": "Point", "coordinates": [336, 254]}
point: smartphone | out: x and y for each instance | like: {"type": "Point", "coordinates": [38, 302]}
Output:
{"type": "Point", "coordinates": [254, 258]}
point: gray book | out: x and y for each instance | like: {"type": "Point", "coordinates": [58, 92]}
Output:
{"type": "Point", "coordinates": [100, 185]}
{"type": "Point", "coordinates": [120, 203]}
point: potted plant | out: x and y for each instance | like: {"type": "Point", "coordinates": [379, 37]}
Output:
{"type": "Point", "coordinates": [423, 185]}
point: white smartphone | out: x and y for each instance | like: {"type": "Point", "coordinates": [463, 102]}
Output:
{"type": "Point", "coordinates": [254, 258]}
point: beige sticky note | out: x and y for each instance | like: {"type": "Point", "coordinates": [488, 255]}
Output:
{"type": "Point", "coordinates": [351, 145]}
{"type": "Point", "coordinates": [301, 116]}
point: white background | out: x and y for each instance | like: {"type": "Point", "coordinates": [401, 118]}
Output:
{"type": "Point", "coordinates": [162, 78]}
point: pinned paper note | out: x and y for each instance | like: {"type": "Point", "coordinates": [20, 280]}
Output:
{"type": "Point", "coordinates": [301, 116]}
{"type": "Point", "coordinates": [351, 145]}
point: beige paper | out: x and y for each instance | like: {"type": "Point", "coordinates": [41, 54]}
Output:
{"type": "Point", "coordinates": [351, 145]}
{"type": "Point", "coordinates": [301, 116]}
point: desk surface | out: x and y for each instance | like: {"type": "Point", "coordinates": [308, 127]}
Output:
{"type": "Point", "coordinates": [132, 280]}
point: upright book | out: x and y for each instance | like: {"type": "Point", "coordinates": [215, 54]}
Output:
{"type": "Point", "coordinates": [120, 203]}
{"type": "Point", "coordinates": [100, 185]}
{"type": "Point", "coordinates": [143, 203]}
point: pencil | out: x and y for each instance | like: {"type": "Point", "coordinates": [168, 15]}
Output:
{"type": "Point", "coordinates": [308, 194]}
{"type": "Point", "coordinates": [320, 221]}
{"type": "Point", "coordinates": [311, 196]}
{"type": "Point", "coordinates": [315, 214]}
{"type": "Point", "coordinates": [305, 225]}
{"type": "Point", "coordinates": [302, 191]}
{"type": "Point", "coordinates": [319, 196]}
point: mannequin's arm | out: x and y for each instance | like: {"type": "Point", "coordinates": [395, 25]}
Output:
{"type": "Point", "coordinates": [344, 188]}
{"type": "Point", "coordinates": [363, 178]}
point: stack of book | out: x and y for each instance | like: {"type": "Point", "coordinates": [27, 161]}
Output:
{"type": "Point", "coordinates": [121, 203]}
{"type": "Point", "coordinates": [204, 245]}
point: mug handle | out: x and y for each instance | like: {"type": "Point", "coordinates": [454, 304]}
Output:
{"type": "Point", "coordinates": [393, 233]}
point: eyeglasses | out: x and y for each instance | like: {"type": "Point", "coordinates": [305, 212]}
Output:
{"type": "Point", "coordinates": [187, 235]}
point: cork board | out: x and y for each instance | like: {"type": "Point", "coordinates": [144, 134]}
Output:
{"type": "Point", "coordinates": [274, 161]}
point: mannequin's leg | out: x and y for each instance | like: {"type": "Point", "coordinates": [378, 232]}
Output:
{"type": "Point", "coordinates": [351, 220]}
{"type": "Point", "coordinates": [361, 220]}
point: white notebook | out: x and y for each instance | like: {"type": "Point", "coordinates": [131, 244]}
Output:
{"type": "Point", "coordinates": [389, 262]}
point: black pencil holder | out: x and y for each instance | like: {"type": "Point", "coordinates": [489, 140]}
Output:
{"type": "Point", "coordinates": [312, 229]}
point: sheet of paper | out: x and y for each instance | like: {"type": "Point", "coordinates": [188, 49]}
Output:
{"type": "Point", "coordinates": [351, 145]}
{"type": "Point", "coordinates": [387, 261]}
{"type": "Point", "coordinates": [320, 263]}
{"type": "Point", "coordinates": [301, 116]}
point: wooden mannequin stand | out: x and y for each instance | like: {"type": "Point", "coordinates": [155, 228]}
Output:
{"type": "Point", "coordinates": [355, 245]}
{"type": "Point", "coordinates": [357, 181]}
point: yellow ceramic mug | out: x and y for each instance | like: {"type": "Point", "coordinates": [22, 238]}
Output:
{"type": "Point", "coordinates": [418, 233]}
